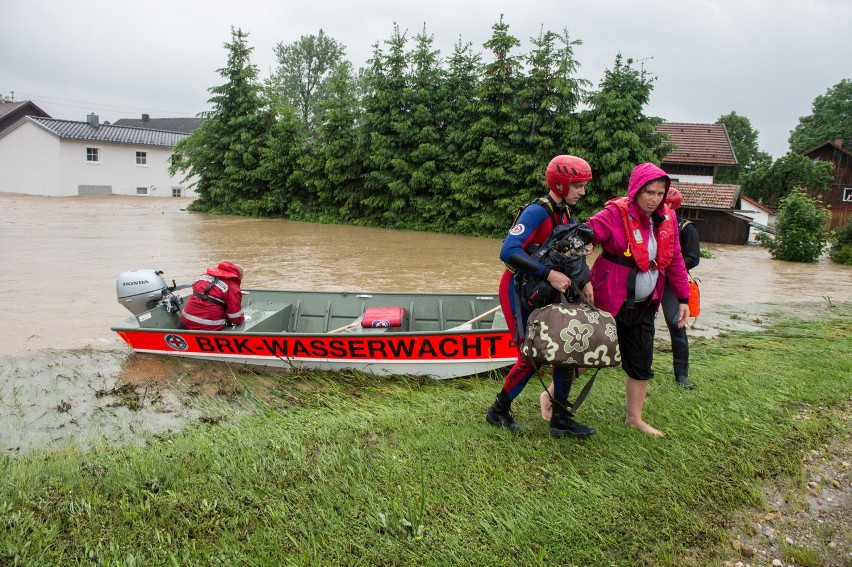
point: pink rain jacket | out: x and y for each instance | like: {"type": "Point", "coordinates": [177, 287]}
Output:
{"type": "Point", "coordinates": [610, 279]}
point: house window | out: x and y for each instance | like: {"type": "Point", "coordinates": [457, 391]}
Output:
{"type": "Point", "coordinates": [847, 195]}
{"type": "Point", "coordinates": [141, 158]}
{"type": "Point", "coordinates": [141, 190]}
{"type": "Point", "coordinates": [93, 155]}
{"type": "Point", "coordinates": [177, 191]}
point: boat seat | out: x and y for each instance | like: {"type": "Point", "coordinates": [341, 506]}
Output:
{"type": "Point", "coordinates": [499, 321]}
{"type": "Point", "coordinates": [273, 319]}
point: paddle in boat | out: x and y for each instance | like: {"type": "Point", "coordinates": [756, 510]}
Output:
{"type": "Point", "coordinates": [439, 335]}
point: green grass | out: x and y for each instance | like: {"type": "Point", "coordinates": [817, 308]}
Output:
{"type": "Point", "coordinates": [326, 469]}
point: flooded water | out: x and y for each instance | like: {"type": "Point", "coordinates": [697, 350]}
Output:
{"type": "Point", "coordinates": [65, 377]}
{"type": "Point", "coordinates": [60, 258]}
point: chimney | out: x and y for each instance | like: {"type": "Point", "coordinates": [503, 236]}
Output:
{"type": "Point", "coordinates": [145, 118]}
{"type": "Point", "coordinates": [93, 120]}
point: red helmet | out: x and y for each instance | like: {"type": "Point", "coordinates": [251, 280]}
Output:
{"type": "Point", "coordinates": [674, 198]}
{"type": "Point", "coordinates": [564, 170]}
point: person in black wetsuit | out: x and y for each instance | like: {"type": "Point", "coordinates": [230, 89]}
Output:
{"type": "Point", "coordinates": [566, 178]}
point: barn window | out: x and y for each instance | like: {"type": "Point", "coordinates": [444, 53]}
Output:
{"type": "Point", "coordinates": [847, 195]}
{"type": "Point", "coordinates": [688, 214]}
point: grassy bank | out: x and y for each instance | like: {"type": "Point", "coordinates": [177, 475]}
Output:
{"type": "Point", "coordinates": [353, 469]}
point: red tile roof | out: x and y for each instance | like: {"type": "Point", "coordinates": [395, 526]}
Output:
{"type": "Point", "coordinates": [720, 196]}
{"type": "Point", "coordinates": [705, 144]}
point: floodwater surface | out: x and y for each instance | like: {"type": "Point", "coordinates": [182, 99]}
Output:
{"type": "Point", "coordinates": [61, 255]}
{"type": "Point", "coordinates": [66, 377]}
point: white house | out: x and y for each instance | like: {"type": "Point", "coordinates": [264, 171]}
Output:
{"type": "Point", "coordinates": [47, 156]}
{"type": "Point", "coordinates": [763, 219]}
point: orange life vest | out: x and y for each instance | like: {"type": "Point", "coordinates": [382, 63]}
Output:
{"type": "Point", "coordinates": [637, 247]}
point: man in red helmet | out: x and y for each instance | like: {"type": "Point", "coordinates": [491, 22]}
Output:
{"type": "Point", "coordinates": [216, 299]}
{"type": "Point", "coordinates": [690, 248]}
{"type": "Point", "coordinates": [566, 178]}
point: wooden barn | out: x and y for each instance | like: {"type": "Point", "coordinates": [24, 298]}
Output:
{"type": "Point", "coordinates": [711, 208]}
{"type": "Point", "coordinates": [838, 199]}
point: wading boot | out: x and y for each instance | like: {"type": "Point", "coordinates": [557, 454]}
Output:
{"type": "Point", "coordinates": [500, 413]}
{"type": "Point", "coordinates": [680, 358]}
{"type": "Point", "coordinates": [562, 422]}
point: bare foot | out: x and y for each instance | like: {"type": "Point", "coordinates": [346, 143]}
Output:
{"type": "Point", "coordinates": [642, 426]}
{"type": "Point", "coordinates": [546, 406]}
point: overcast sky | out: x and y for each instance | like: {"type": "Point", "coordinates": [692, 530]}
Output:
{"type": "Point", "coordinates": [764, 59]}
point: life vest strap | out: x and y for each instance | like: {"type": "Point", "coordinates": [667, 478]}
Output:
{"type": "Point", "coordinates": [206, 295]}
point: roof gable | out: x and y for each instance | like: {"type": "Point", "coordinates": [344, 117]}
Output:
{"type": "Point", "coordinates": [720, 196]}
{"type": "Point", "coordinates": [821, 145]}
{"type": "Point", "coordinates": [706, 144]}
{"type": "Point", "coordinates": [107, 133]}
{"type": "Point", "coordinates": [754, 203]}
{"type": "Point", "coordinates": [28, 107]}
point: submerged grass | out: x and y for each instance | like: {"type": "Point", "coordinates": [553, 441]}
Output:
{"type": "Point", "coordinates": [353, 469]}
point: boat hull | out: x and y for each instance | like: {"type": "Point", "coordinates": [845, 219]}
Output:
{"type": "Point", "coordinates": [436, 335]}
{"type": "Point", "coordinates": [436, 355]}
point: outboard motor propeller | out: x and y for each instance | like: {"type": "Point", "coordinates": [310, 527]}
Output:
{"type": "Point", "coordinates": [142, 290]}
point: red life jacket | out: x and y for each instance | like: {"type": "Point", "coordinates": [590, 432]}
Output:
{"type": "Point", "coordinates": [637, 247]}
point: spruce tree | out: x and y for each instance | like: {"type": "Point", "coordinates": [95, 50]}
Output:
{"type": "Point", "coordinates": [617, 135]}
{"type": "Point", "coordinates": [224, 153]}
{"type": "Point", "coordinates": [337, 167]}
{"type": "Point", "coordinates": [547, 104]}
{"type": "Point", "coordinates": [386, 123]}
{"type": "Point", "coordinates": [458, 117]}
{"type": "Point", "coordinates": [428, 186]}
{"type": "Point", "coordinates": [485, 192]}
{"type": "Point", "coordinates": [283, 168]}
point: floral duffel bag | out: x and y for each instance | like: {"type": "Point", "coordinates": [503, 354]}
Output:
{"type": "Point", "coordinates": [576, 335]}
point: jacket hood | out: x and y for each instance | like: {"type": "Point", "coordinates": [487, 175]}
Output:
{"type": "Point", "coordinates": [643, 174]}
{"type": "Point", "coordinates": [226, 270]}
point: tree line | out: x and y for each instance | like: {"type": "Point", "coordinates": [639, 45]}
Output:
{"type": "Point", "coordinates": [421, 142]}
{"type": "Point", "coordinates": [413, 141]}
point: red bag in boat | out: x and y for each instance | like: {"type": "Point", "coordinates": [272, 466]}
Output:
{"type": "Point", "coordinates": [383, 317]}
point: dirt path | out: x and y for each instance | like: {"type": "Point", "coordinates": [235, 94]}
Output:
{"type": "Point", "coordinates": [807, 523]}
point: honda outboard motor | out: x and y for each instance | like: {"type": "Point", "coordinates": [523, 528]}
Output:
{"type": "Point", "coordinates": [142, 290]}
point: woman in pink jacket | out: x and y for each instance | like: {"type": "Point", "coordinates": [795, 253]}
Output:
{"type": "Point", "coordinates": [641, 249]}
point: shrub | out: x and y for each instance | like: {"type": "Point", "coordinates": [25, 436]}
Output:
{"type": "Point", "coordinates": [801, 234]}
{"type": "Point", "coordinates": [841, 250]}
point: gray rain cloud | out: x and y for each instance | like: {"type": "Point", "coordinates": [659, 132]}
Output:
{"type": "Point", "coordinates": [763, 59]}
